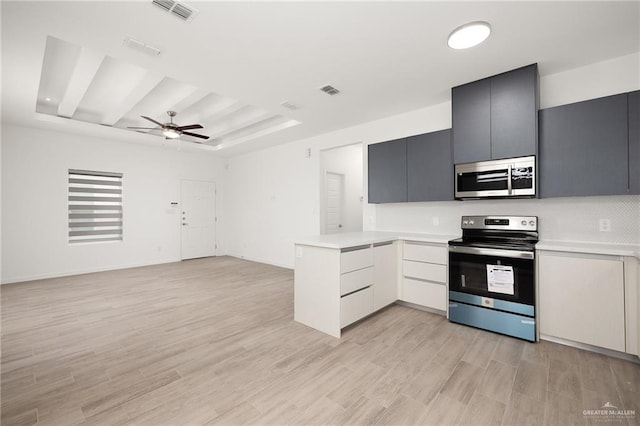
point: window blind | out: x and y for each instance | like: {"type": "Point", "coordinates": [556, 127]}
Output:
{"type": "Point", "coordinates": [95, 206]}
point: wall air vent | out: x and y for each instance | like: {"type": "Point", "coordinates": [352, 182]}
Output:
{"type": "Point", "coordinates": [177, 9]}
{"type": "Point", "coordinates": [330, 90]}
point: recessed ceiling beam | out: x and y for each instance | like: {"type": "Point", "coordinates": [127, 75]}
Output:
{"type": "Point", "coordinates": [86, 67]}
{"type": "Point", "coordinates": [258, 133]}
{"type": "Point", "coordinates": [145, 86]}
{"type": "Point", "coordinates": [233, 125]}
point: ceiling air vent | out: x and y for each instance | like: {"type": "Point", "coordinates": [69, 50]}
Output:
{"type": "Point", "coordinates": [177, 8]}
{"type": "Point", "coordinates": [141, 46]}
{"type": "Point", "coordinates": [289, 105]}
{"type": "Point", "coordinates": [329, 90]}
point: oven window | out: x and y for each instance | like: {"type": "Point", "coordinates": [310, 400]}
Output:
{"type": "Point", "coordinates": [490, 276]}
{"type": "Point", "coordinates": [492, 180]}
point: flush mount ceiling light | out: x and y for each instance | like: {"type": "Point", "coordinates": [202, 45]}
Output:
{"type": "Point", "coordinates": [469, 35]}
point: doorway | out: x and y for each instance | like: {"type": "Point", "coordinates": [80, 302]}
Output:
{"type": "Point", "coordinates": [341, 183]}
{"type": "Point", "coordinates": [198, 224]}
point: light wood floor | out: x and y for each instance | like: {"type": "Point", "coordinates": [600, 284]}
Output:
{"type": "Point", "coordinates": [212, 341]}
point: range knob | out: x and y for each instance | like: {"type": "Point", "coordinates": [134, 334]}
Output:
{"type": "Point", "coordinates": [465, 222]}
{"type": "Point", "coordinates": [470, 222]}
{"type": "Point", "coordinates": [532, 223]}
{"type": "Point", "coordinates": [523, 223]}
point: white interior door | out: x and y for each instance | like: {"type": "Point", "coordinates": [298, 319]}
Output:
{"type": "Point", "coordinates": [334, 192]}
{"type": "Point", "coordinates": [198, 200]}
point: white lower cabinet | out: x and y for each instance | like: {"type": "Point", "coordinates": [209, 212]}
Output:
{"type": "Point", "coordinates": [356, 306]}
{"type": "Point", "coordinates": [385, 287]}
{"type": "Point", "coordinates": [582, 298]}
{"type": "Point", "coordinates": [424, 275]}
{"type": "Point", "coordinates": [425, 293]}
{"type": "Point", "coordinates": [334, 288]}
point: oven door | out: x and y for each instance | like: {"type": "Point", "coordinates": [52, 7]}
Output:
{"type": "Point", "coordinates": [493, 273]}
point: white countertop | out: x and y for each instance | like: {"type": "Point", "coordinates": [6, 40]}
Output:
{"type": "Point", "coordinates": [354, 239]}
{"type": "Point", "coordinates": [589, 247]}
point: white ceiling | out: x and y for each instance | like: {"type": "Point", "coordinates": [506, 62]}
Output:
{"type": "Point", "coordinates": [385, 57]}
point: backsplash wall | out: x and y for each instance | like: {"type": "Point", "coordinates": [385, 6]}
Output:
{"type": "Point", "coordinates": [569, 219]}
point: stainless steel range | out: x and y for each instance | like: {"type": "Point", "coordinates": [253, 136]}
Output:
{"type": "Point", "coordinates": [492, 275]}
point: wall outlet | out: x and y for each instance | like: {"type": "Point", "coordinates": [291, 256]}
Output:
{"type": "Point", "coordinates": [605, 225]}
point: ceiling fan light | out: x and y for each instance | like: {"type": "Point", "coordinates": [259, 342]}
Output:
{"type": "Point", "coordinates": [469, 35]}
{"type": "Point", "coordinates": [171, 133]}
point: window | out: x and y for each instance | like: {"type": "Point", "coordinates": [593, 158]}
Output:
{"type": "Point", "coordinates": [95, 206]}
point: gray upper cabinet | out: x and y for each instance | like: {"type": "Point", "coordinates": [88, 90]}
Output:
{"type": "Point", "coordinates": [496, 117]}
{"type": "Point", "coordinates": [388, 172]}
{"type": "Point", "coordinates": [471, 121]}
{"type": "Point", "coordinates": [429, 167]}
{"type": "Point", "coordinates": [584, 148]}
{"type": "Point", "coordinates": [514, 113]}
{"type": "Point", "coordinates": [634, 142]}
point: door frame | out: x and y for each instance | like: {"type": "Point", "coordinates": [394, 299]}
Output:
{"type": "Point", "coordinates": [323, 169]}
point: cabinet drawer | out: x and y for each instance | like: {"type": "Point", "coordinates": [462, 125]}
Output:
{"type": "Point", "coordinates": [355, 280]}
{"type": "Point", "coordinates": [425, 253]}
{"type": "Point", "coordinates": [356, 259]}
{"type": "Point", "coordinates": [431, 295]}
{"type": "Point", "coordinates": [355, 306]}
{"type": "Point", "coordinates": [424, 271]}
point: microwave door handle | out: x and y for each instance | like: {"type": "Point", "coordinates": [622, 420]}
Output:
{"type": "Point", "coordinates": [509, 186]}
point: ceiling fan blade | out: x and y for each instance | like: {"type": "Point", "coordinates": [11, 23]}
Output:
{"type": "Point", "coordinates": [141, 128]}
{"type": "Point", "coordinates": [195, 135]}
{"type": "Point", "coordinates": [152, 120]}
{"type": "Point", "coordinates": [189, 127]}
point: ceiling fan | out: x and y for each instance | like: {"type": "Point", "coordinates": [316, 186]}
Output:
{"type": "Point", "coordinates": [171, 130]}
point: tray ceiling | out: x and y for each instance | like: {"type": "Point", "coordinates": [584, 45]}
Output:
{"type": "Point", "coordinates": [81, 84]}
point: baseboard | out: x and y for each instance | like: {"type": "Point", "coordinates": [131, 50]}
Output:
{"type": "Point", "coordinates": [591, 348]}
{"type": "Point", "coordinates": [259, 260]}
{"type": "Point", "coordinates": [27, 278]}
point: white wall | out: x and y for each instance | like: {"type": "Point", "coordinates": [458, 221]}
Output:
{"type": "Point", "coordinates": [34, 199]}
{"type": "Point", "coordinates": [274, 193]}
{"type": "Point", "coordinates": [345, 160]}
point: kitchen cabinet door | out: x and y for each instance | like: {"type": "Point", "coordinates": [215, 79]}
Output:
{"type": "Point", "coordinates": [634, 142]}
{"type": "Point", "coordinates": [584, 148]}
{"type": "Point", "coordinates": [430, 167]}
{"type": "Point", "coordinates": [582, 298]}
{"type": "Point", "coordinates": [385, 279]}
{"type": "Point", "coordinates": [388, 172]}
{"type": "Point", "coordinates": [514, 113]}
{"type": "Point", "coordinates": [471, 121]}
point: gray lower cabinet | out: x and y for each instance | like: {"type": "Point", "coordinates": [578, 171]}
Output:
{"type": "Point", "coordinates": [430, 167]}
{"type": "Point", "coordinates": [584, 148]}
{"type": "Point", "coordinates": [634, 142]}
{"type": "Point", "coordinates": [388, 172]}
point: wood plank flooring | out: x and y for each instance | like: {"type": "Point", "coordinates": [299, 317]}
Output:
{"type": "Point", "coordinates": [213, 341]}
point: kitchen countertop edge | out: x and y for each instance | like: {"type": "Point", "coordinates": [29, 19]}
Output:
{"type": "Point", "coordinates": [627, 250]}
{"type": "Point", "coordinates": [355, 239]}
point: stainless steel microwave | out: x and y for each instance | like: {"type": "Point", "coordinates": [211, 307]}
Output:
{"type": "Point", "coordinates": [511, 177]}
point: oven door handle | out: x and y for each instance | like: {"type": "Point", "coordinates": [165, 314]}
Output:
{"type": "Point", "coordinates": [517, 254]}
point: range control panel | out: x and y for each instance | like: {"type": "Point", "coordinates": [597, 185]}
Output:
{"type": "Point", "coordinates": [510, 223]}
